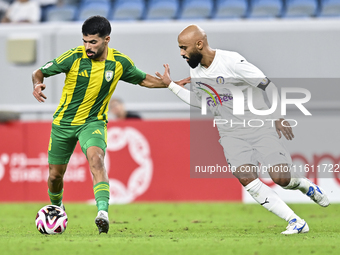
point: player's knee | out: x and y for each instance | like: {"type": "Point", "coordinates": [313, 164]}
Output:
{"type": "Point", "coordinates": [96, 161]}
{"type": "Point", "coordinates": [56, 173]}
{"type": "Point", "coordinates": [245, 180]}
{"type": "Point", "coordinates": [283, 182]}
{"type": "Point", "coordinates": [55, 177]}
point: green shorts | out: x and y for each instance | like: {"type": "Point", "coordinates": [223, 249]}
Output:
{"type": "Point", "coordinates": [63, 140]}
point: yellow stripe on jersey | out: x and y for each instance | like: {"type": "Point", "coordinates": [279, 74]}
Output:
{"type": "Point", "coordinates": [122, 55]}
{"type": "Point", "coordinates": [92, 91]}
{"type": "Point", "coordinates": [118, 73]}
{"type": "Point", "coordinates": [70, 84]}
{"type": "Point", "coordinates": [68, 54]}
{"type": "Point", "coordinates": [104, 108]}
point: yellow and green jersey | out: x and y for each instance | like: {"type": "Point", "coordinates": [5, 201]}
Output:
{"type": "Point", "coordinates": [89, 84]}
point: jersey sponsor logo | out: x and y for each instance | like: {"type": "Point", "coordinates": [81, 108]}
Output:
{"type": "Point", "coordinates": [209, 93]}
{"type": "Point", "coordinates": [220, 80]}
{"type": "Point", "coordinates": [108, 75]}
{"type": "Point", "coordinates": [47, 65]}
{"type": "Point", "coordinates": [84, 74]}
{"type": "Point", "coordinates": [224, 98]}
{"type": "Point", "coordinates": [97, 132]}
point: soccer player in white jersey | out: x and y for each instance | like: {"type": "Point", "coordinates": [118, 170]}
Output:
{"type": "Point", "coordinates": [245, 146]}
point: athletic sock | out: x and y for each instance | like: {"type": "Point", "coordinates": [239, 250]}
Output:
{"type": "Point", "coordinates": [268, 198]}
{"type": "Point", "coordinates": [56, 198]}
{"type": "Point", "coordinates": [102, 195]}
{"type": "Point", "coordinates": [301, 184]}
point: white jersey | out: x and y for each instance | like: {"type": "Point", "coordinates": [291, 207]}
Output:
{"type": "Point", "coordinates": [227, 71]}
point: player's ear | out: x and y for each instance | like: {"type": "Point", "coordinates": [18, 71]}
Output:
{"type": "Point", "coordinates": [107, 39]}
{"type": "Point", "coordinates": [199, 45]}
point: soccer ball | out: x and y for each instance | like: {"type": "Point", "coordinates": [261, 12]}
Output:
{"type": "Point", "coordinates": [51, 219]}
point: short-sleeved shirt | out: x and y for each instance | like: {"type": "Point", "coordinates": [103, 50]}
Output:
{"type": "Point", "coordinates": [24, 11]}
{"type": "Point", "coordinates": [89, 84]}
{"type": "Point", "coordinates": [230, 69]}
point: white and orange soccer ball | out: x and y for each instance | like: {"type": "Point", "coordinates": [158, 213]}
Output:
{"type": "Point", "coordinates": [51, 219]}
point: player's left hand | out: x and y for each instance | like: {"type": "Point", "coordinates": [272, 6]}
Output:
{"type": "Point", "coordinates": [166, 80]}
{"type": "Point", "coordinates": [285, 129]}
{"type": "Point", "coordinates": [183, 81]}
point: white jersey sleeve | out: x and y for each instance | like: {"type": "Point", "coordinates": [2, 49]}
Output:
{"type": "Point", "coordinates": [250, 74]}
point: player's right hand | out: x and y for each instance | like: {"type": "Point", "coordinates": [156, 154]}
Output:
{"type": "Point", "coordinates": [37, 92]}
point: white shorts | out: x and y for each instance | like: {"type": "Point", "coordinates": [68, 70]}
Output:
{"type": "Point", "coordinates": [267, 149]}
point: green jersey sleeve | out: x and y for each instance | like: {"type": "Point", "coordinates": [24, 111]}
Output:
{"type": "Point", "coordinates": [61, 64]}
{"type": "Point", "coordinates": [131, 73]}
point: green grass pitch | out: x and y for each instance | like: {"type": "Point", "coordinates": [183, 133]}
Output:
{"type": "Point", "coordinates": [172, 228]}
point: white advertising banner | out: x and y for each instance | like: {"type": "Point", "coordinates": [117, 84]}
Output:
{"type": "Point", "coordinates": [315, 151]}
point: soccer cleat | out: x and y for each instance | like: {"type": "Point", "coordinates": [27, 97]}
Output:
{"type": "Point", "coordinates": [295, 227]}
{"type": "Point", "coordinates": [102, 222]}
{"type": "Point", "coordinates": [318, 195]}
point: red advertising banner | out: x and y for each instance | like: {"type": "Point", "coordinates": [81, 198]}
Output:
{"type": "Point", "coordinates": [146, 161]}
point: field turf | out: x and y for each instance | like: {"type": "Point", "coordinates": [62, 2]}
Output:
{"type": "Point", "coordinates": [169, 228]}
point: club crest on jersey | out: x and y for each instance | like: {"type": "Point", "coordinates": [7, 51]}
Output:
{"type": "Point", "coordinates": [265, 81]}
{"type": "Point", "coordinates": [108, 75]}
{"type": "Point", "coordinates": [220, 80]}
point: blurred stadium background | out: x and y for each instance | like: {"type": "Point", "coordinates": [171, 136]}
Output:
{"type": "Point", "coordinates": [294, 42]}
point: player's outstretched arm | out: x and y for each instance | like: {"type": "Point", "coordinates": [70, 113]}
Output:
{"type": "Point", "coordinates": [178, 87]}
{"type": "Point", "coordinates": [184, 94]}
{"type": "Point", "coordinates": [38, 86]}
{"type": "Point", "coordinates": [161, 81]}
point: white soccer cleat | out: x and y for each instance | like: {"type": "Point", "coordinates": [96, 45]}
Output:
{"type": "Point", "coordinates": [102, 222]}
{"type": "Point", "coordinates": [295, 227]}
{"type": "Point", "coordinates": [318, 195]}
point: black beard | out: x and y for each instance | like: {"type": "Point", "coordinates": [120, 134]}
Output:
{"type": "Point", "coordinates": [95, 56]}
{"type": "Point", "coordinates": [194, 59]}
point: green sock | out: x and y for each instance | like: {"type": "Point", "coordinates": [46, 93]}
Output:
{"type": "Point", "coordinates": [102, 195]}
{"type": "Point", "coordinates": [56, 197]}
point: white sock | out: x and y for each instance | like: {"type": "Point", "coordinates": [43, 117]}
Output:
{"type": "Point", "coordinates": [268, 198]}
{"type": "Point", "coordinates": [301, 184]}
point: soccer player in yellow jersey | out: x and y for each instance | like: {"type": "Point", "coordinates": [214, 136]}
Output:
{"type": "Point", "coordinates": [92, 73]}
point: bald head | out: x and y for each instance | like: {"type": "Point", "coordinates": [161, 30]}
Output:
{"type": "Point", "coordinates": [192, 34]}
{"type": "Point", "coordinates": [194, 46]}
